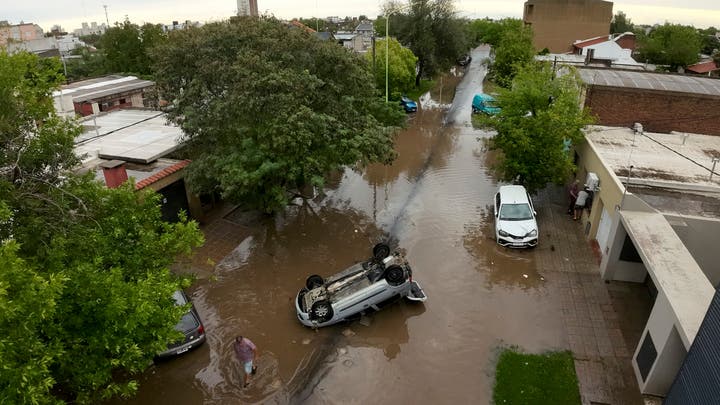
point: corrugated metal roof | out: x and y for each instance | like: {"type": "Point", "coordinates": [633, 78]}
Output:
{"type": "Point", "coordinates": [93, 89]}
{"type": "Point", "coordinates": [651, 81]}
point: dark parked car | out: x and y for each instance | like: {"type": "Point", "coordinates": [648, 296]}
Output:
{"type": "Point", "coordinates": [464, 60]}
{"type": "Point", "coordinates": [408, 105]}
{"type": "Point", "coordinates": [190, 324]}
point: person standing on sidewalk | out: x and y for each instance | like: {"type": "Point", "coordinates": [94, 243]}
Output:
{"type": "Point", "coordinates": [572, 196]}
{"type": "Point", "coordinates": [580, 203]}
{"type": "Point", "coordinates": [246, 352]}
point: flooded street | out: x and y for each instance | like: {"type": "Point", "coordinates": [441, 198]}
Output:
{"type": "Point", "coordinates": [435, 201]}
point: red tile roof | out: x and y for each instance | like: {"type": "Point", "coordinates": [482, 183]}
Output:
{"type": "Point", "coordinates": [161, 174]}
{"type": "Point", "coordinates": [704, 67]}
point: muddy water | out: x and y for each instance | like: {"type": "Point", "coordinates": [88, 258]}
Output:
{"type": "Point", "coordinates": [435, 201]}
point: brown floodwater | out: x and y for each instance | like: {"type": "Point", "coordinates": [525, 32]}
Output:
{"type": "Point", "coordinates": [435, 202]}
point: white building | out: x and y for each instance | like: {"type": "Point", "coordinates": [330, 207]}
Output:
{"type": "Point", "coordinates": [91, 29]}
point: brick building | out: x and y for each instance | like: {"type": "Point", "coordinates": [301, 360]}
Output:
{"type": "Point", "coordinates": [92, 96]}
{"type": "Point", "coordinates": [660, 102]}
{"type": "Point", "coordinates": [556, 24]}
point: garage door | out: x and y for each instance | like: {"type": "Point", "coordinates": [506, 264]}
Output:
{"type": "Point", "coordinates": [603, 230]}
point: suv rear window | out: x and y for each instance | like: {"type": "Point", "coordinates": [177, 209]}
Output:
{"type": "Point", "coordinates": [187, 323]}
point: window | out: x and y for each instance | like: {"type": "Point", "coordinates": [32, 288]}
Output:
{"type": "Point", "coordinates": [515, 212]}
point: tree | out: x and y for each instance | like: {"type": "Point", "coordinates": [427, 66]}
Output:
{"type": "Point", "coordinates": [126, 47]}
{"type": "Point", "coordinates": [670, 44]}
{"type": "Point", "coordinates": [539, 115]}
{"type": "Point", "coordinates": [490, 32]}
{"type": "Point", "coordinates": [514, 50]}
{"type": "Point", "coordinates": [621, 23]}
{"type": "Point", "coordinates": [401, 67]}
{"type": "Point", "coordinates": [268, 110]}
{"type": "Point", "coordinates": [432, 30]}
{"type": "Point", "coordinates": [85, 269]}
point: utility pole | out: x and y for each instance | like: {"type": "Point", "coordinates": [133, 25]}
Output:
{"type": "Point", "coordinates": [107, 20]}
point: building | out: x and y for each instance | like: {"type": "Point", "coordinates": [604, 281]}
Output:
{"type": "Point", "coordinates": [708, 68]}
{"type": "Point", "coordinates": [556, 24]}
{"type": "Point", "coordinates": [92, 29]}
{"type": "Point", "coordinates": [654, 219]}
{"type": "Point", "coordinates": [351, 41]}
{"type": "Point", "coordinates": [44, 47]}
{"type": "Point", "coordinates": [661, 102]}
{"type": "Point", "coordinates": [89, 97]}
{"type": "Point", "coordinates": [136, 144]}
{"type": "Point", "coordinates": [365, 29]}
{"type": "Point", "coordinates": [247, 7]}
{"type": "Point", "coordinates": [19, 32]}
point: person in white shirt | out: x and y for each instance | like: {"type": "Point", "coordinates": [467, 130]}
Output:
{"type": "Point", "coordinates": [580, 203]}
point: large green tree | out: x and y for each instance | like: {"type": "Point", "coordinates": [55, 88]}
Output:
{"type": "Point", "coordinates": [126, 47]}
{"type": "Point", "coordinates": [401, 67]}
{"type": "Point", "coordinates": [621, 23]}
{"type": "Point", "coordinates": [432, 30]}
{"type": "Point", "coordinates": [269, 109]}
{"type": "Point", "coordinates": [486, 31]}
{"type": "Point", "coordinates": [514, 50]}
{"type": "Point", "coordinates": [540, 118]}
{"type": "Point", "coordinates": [672, 45]}
{"type": "Point", "coordinates": [85, 274]}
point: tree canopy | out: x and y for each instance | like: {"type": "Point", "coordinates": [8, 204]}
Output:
{"type": "Point", "coordinates": [432, 30]}
{"type": "Point", "coordinates": [126, 47]}
{"type": "Point", "coordinates": [486, 31]}
{"type": "Point", "coordinates": [621, 23]}
{"type": "Point", "coordinates": [85, 284]}
{"type": "Point", "coordinates": [670, 44]}
{"type": "Point", "coordinates": [540, 115]}
{"type": "Point", "coordinates": [401, 67]}
{"type": "Point", "coordinates": [514, 50]}
{"type": "Point", "coordinates": [268, 108]}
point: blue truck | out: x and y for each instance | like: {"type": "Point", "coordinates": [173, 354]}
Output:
{"type": "Point", "coordinates": [484, 103]}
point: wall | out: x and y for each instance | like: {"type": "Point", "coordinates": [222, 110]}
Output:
{"type": "Point", "coordinates": [661, 111]}
{"type": "Point", "coordinates": [610, 193]}
{"type": "Point", "coordinates": [700, 238]}
{"type": "Point", "coordinates": [558, 23]}
{"type": "Point", "coordinates": [694, 384]}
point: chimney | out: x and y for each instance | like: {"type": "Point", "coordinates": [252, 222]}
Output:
{"type": "Point", "coordinates": [114, 172]}
{"type": "Point", "coordinates": [589, 56]}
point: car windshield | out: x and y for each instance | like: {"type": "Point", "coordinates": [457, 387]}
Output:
{"type": "Point", "coordinates": [515, 212]}
{"type": "Point", "coordinates": [491, 103]}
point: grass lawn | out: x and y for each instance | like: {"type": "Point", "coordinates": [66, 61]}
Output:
{"type": "Point", "coordinates": [536, 379]}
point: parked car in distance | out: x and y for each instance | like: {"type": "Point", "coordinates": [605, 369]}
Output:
{"type": "Point", "coordinates": [464, 60]}
{"type": "Point", "coordinates": [515, 223]}
{"type": "Point", "coordinates": [484, 103]}
{"type": "Point", "coordinates": [365, 286]}
{"type": "Point", "coordinates": [408, 104]}
{"type": "Point", "coordinates": [190, 325]}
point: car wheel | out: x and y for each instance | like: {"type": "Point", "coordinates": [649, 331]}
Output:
{"type": "Point", "coordinates": [381, 251]}
{"type": "Point", "coordinates": [321, 311]}
{"type": "Point", "coordinates": [395, 275]}
{"type": "Point", "coordinates": [314, 281]}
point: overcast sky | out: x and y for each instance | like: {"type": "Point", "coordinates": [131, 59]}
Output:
{"type": "Point", "coordinates": [70, 13]}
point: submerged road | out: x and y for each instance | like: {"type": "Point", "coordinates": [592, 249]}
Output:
{"type": "Point", "coordinates": [435, 201]}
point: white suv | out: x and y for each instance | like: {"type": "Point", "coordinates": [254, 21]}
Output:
{"type": "Point", "coordinates": [515, 224]}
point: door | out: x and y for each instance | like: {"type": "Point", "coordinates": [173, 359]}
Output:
{"type": "Point", "coordinates": [603, 231]}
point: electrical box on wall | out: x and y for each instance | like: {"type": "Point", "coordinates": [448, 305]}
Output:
{"type": "Point", "coordinates": [592, 182]}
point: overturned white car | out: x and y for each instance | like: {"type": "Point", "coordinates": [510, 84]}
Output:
{"type": "Point", "coordinates": [364, 286]}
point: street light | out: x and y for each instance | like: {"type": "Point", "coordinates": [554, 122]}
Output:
{"type": "Point", "coordinates": [388, 13]}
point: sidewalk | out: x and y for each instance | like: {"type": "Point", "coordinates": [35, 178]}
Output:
{"type": "Point", "coordinates": [601, 319]}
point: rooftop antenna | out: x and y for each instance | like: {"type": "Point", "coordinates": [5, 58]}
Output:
{"type": "Point", "coordinates": [106, 16]}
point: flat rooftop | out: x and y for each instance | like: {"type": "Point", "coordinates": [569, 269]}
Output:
{"type": "Point", "coordinates": [92, 89]}
{"type": "Point", "coordinates": [651, 81]}
{"type": "Point", "coordinates": [139, 136]}
{"type": "Point", "coordinates": [675, 160]}
{"type": "Point", "coordinates": [672, 268]}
